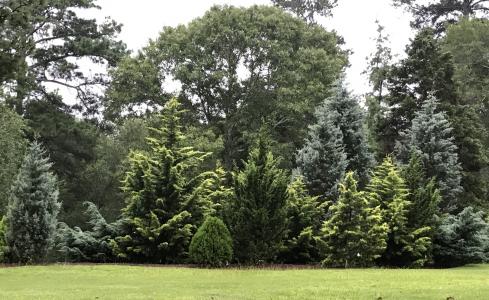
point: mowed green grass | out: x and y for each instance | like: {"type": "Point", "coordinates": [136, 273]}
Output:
{"type": "Point", "coordinates": [140, 282]}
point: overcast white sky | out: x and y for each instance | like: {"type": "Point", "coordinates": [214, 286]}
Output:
{"type": "Point", "coordinates": [353, 19]}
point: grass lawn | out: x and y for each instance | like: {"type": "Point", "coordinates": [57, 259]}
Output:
{"type": "Point", "coordinates": [138, 282]}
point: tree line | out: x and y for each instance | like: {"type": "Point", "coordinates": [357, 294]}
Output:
{"type": "Point", "coordinates": [262, 156]}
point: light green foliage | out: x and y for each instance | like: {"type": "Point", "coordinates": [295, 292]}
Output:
{"type": "Point", "coordinates": [212, 244]}
{"type": "Point", "coordinates": [237, 66]}
{"type": "Point", "coordinates": [304, 215]}
{"type": "Point", "coordinates": [355, 234]}
{"type": "Point", "coordinates": [388, 190]}
{"type": "Point", "coordinates": [423, 211]}
{"type": "Point", "coordinates": [430, 137]}
{"type": "Point", "coordinates": [462, 239]}
{"type": "Point", "coordinates": [257, 216]}
{"type": "Point", "coordinates": [164, 204]}
{"type": "Point", "coordinates": [12, 143]}
{"type": "Point", "coordinates": [3, 241]}
{"type": "Point", "coordinates": [33, 209]}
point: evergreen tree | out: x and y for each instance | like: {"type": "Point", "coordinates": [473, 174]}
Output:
{"type": "Point", "coordinates": [355, 234]}
{"type": "Point", "coordinates": [423, 211]}
{"type": "Point", "coordinates": [348, 116]}
{"type": "Point", "coordinates": [212, 244]}
{"type": "Point", "coordinates": [257, 214]}
{"type": "Point", "coordinates": [92, 245]}
{"type": "Point", "coordinates": [462, 239]}
{"type": "Point", "coordinates": [164, 204]}
{"type": "Point", "coordinates": [13, 144]}
{"type": "Point", "coordinates": [33, 209]}
{"type": "Point", "coordinates": [322, 161]}
{"type": "Point", "coordinates": [304, 214]}
{"type": "Point", "coordinates": [430, 136]}
{"type": "Point", "coordinates": [388, 190]}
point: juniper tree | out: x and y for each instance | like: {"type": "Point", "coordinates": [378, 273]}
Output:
{"type": "Point", "coordinates": [430, 137]}
{"type": "Point", "coordinates": [164, 206]}
{"type": "Point", "coordinates": [405, 246]}
{"type": "Point", "coordinates": [33, 209]}
{"type": "Point", "coordinates": [257, 214]}
{"type": "Point", "coordinates": [462, 239]}
{"type": "Point", "coordinates": [304, 215]}
{"type": "Point", "coordinates": [355, 234]}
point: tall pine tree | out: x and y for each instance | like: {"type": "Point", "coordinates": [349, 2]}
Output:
{"type": "Point", "coordinates": [355, 235]}
{"type": "Point", "coordinates": [257, 216]}
{"type": "Point", "coordinates": [33, 209]}
{"type": "Point", "coordinates": [164, 203]}
{"type": "Point", "coordinates": [430, 137]}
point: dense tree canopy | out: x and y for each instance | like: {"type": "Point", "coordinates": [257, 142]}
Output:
{"type": "Point", "coordinates": [235, 67]}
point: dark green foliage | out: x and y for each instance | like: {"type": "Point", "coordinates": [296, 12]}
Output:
{"type": "Point", "coordinates": [46, 40]}
{"type": "Point", "coordinates": [440, 13]}
{"type": "Point", "coordinates": [212, 244]}
{"type": "Point", "coordinates": [12, 143]}
{"type": "Point", "coordinates": [307, 9]}
{"type": "Point", "coordinates": [3, 240]}
{"type": "Point", "coordinates": [88, 246]}
{"type": "Point", "coordinates": [164, 204]}
{"type": "Point", "coordinates": [33, 209]}
{"type": "Point", "coordinates": [237, 66]}
{"type": "Point", "coordinates": [430, 137]}
{"type": "Point", "coordinates": [305, 215]}
{"type": "Point", "coordinates": [355, 234]}
{"type": "Point", "coordinates": [348, 116]}
{"type": "Point", "coordinates": [462, 239]}
{"type": "Point", "coordinates": [257, 216]}
{"type": "Point", "coordinates": [429, 71]}
{"type": "Point", "coordinates": [70, 144]}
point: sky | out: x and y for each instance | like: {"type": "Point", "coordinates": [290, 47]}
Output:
{"type": "Point", "coordinates": [354, 20]}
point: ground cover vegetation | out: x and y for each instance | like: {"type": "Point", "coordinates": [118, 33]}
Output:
{"type": "Point", "coordinates": [263, 156]}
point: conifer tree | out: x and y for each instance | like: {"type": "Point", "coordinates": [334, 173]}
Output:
{"type": "Point", "coordinates": [462, 239]}
{"type": "Point", "coordinates": [164, 206]}
{"type": "Point", "coordinates": [430, 136]}
{"type": "Point", "coordinates": [33, 209]}
{"type": "Point", "coordinates": [348, 116]}
{"type": "Point", "coordinates": [355, 235]}
{"type": "Point", "coordinates": [423, 211]}
{"type": "Point", "coordinates": [388, 190]}
{"type": "Point", "coordinates": [304, 214]}
{"type": "Point", "coordinates": [257, 214]}
{"type": "Point", "coordinates": [322, 161]}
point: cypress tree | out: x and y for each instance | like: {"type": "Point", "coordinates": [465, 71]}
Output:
{"type": "Point", "coordinates": [304, 215]}
{"type": "Point", "coordinates": [388, 190]}
{"type": "Point", "coordinates": [257, 214]}
{"type": "Point", "coordinates": [355, 234]}
{"type": "Point", "coordinates": [430, 136]}
{"type": "Point", "coordinates": [33, 209]}
{"type": "Point", "coordinates": [423, 211]}
{"type": "Point", "coordinates": [164, 206]}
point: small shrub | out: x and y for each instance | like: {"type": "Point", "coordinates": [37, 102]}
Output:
{"type": "Point", "coordinates": [212, 244]}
